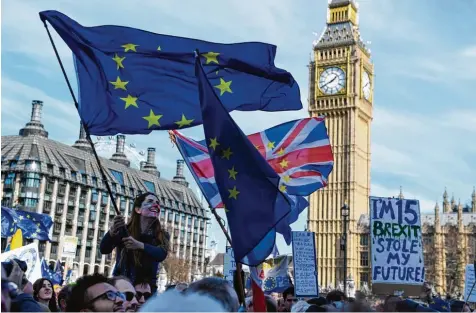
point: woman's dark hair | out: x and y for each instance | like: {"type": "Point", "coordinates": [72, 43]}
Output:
{"type": "Point", "coordinates": [52, 304]}
{"type": "Point", "coordinates": [133, 226]}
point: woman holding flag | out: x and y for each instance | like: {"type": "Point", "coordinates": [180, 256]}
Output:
{"type": "Point", "coordinates": [146, 244]}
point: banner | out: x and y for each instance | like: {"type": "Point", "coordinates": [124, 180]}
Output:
{"type": "Point", "coordinates": [305, 264]}
{"type": "Point", "coordinates": [397, 253]}
{"type": "Point", "coordinates": [29, 254]}
{"type": "Point", "coordinates": [273, 275]}
{"type": "Point", "coordinates": [70, 245]}
{"type": "Point", "coordinates": [469, 280]}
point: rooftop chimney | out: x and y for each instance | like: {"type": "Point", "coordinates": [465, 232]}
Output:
{"type": "Point", "coordinates": [34, 126]}
{"type": "Point", "coordinates": [82, 143]}
{"type": "Point", "coordinates": [149, 166]}
{"type": "Point", "coordinates": [120, 156]}
{"type": "Point", "coordinates": [179, 178]}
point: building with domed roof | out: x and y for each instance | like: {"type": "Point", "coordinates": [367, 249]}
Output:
{"type": "Point", "coordinates": [46, 176]}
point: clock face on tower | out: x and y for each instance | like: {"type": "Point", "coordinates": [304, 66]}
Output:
{"type": "Point", "coordinates": [366, 85]}
{"type": "Point", "coordinates": [332, 80]}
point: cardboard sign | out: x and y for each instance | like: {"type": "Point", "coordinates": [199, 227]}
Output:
{"type": "Point", "coordinates": [70, 244]}
{"type": "Point", "coordinates": [229, 266]}
{"type": "Point", "coordinates": [469, 280]}
{"type": "Point", "coordinates": [305, 264]}
{"type": "Point", "coordinates": [396, 239]}
{"type": "Point", "coordinates": [29, 254]}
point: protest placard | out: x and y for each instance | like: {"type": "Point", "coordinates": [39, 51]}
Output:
{"type": "Point", "coordinates": [469, 280]}
{"type": "Point", "coordinates": [397, 254]}
{"type": "Point", "coordinates": [30, 255]}
{"type": "Point", "coordinates": [229, 266]}
{"type": "Point", "coordinates": [305, 264]}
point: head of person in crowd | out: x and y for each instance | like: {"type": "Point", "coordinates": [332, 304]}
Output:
{"type": "Point", "coordinates": [143, 291]}
{"type": "Point", "coordinates": [425, 292]}
{"type": "Point", "coordinates": [336, 298]}
{"type": "Point", "coordinates": [92, 293]}
{"type": "Point", "coordinates": [63, 297]}
{"type": "Point", "coordinates": [7, 289]}
{"type": "Point", "coordinates": [459, 306]}
{"type": "Point", "coordinates": [289, 298]}
{"type": "Point", "coordinates": [281, 305]}
{"type": "Point", "coordinates": [173, 301]}
{"type": "Point", "coordinates": [271, 304]}
{"type": "Point", "coordinates": [43, 293]}
{"type": "Point", "coordinates": [181, 287]}
{"type": "Point", "coordinates": [390, 303]}
{"type": "Point", "coordinates": [218, 289]}
{"type": "Point", "coordinates": [124, 285]}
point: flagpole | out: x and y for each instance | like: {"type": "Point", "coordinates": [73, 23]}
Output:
{"type": "Point", "coordinates": [88, 137]}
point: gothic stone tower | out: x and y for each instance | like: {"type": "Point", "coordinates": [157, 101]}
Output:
{"type": "Point", "coordinates": [341, 88]}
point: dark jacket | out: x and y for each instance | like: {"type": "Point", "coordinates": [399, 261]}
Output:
{"type": "Point", "coordinates": [25, 303]}
{"type": "Point", "coordinates": [152, 256]}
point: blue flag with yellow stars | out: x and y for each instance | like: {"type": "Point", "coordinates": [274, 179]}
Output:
{"type": "Point", "coordinates": [248, 185]}
{"type": "Point", "coordinates": [133, 81]}
{"type": "Point", "coordinates": [32, 225]}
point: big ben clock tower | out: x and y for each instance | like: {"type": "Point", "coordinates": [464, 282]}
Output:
{"type": "Point", "coordinates": [341, 88]}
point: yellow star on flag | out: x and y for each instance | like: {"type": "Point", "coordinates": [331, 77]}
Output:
{"type": "Point", "coordinates": [232, 173]}
{"type": "Point", "coordinates": [159, 49]}
{"type": "Point", "coordinates": [233, 193]}
{"type": "Point", "coordinates": [224, 86]}
{"type": "Point", "coordinates": [211, 57]}
{"type": "Point", "coordinates": [284, 163]}
{"type": "Point", "coordinates": [118, 61]}
{"type": "Point", "coordinates": [38, 224]}
{"type": "Point", "coordinates": [227, 154]}
{"type": "Point", "coordinates": [152, 119]}
{"type": "Point", "coordinates": [130, 100]}
{"type": "Point", "coordinates": [119, 84]}
{"type": "Point", "coordinates": [184, 122]}
{"type": "Point", "coordinates": [11, 229]}
{"type": "Point", "coordinates": [282, 188]}
{"type": "Point", "coordinates": [286, 178]}
{"type": "Point", "coordinates": [21, 217]}
{"type": "Point", "coordinates": [270, 145]}
{"type": "Point", "coordinates": [281, 151]}
{"type": "Point", "coordinates": [33, 235]}
{"type": "Point", "coordinates": [129, 46]}
{"type": "Point", "coordinates": [214, 143]}
{"type": "Point", "coordinates": [28, 216]}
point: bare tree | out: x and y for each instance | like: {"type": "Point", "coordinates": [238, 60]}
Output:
{"type": "Point", "coordinates": [178, 270]}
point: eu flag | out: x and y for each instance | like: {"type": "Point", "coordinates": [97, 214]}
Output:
{"type": "Point", "coordinates": [248, 185]}
{"type": "Point", "coordinates": [56, 276]}
{"type": "Point", "coordinates": [133, 81]}
{"type": "Point", "coordinates": [33, 225]}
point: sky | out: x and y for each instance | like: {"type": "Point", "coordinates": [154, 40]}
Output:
{"type": "Point", "coordinates": [424, 52]}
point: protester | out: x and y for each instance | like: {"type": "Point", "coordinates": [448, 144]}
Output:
{"type": "Point", "coordinates": [281, 305]}
{"type": "Point", "coordinates": [20, 302]}
{"type": "Point", "coordinates": [289, 299]}
{"type": "Point", "coordinates": [218, 289]}
{"type": "Point", "coordinates": [124, 285]}
{"type": "Point", "coordinates": [95, 294]}
{"type": "Point", "coordinates": [143, 292]}
{"type": "Point", "coordinates": [391, 303]}
{"type": "Point", "coordinates": [173, 301]}
{"type": "Point", "coordinates": [44, 294]}
{"type": "Point", "coordinates": [63, 297]}
{"type": "Point", "coordinates": [139, 254]}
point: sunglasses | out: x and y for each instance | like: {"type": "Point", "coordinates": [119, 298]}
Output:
{"type": "Point", "coordinates": [146, 295]}
{"type": "Point", "coordinates": [129, 295]}
{"type": "Point", "coordinates": [110, 295]}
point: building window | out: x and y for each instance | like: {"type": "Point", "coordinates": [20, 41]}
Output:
{"type": "Point", "coordinates": [169, 218]}
{"type": "Point", "coordinates": [364, 240]}
{"type": "Point", "coordinates": [95, 181]}
{"type": "Point", "coordinates": [31, 165]}
{"type": "Point", "coordinates": [10, 179]}
{"type": "Point", "coordinates": [364, 259]}
{"type": "Point", "coordinates": [364, 278]}
{"type": "Point", "coordinates": [150, 186]}
{"type": "Point", "coordinates": [84, 179]}
{"type": "Point", "coordinates": [13, 164]}
{"type": "Point", "coordinates": [177, 218]}
{"type": "Point", "coordinates": [31, 180]}
{"type": "Point", "coordinates": [162, 214]}
{"type": "Point", "coordinates": [74, 175]}
{"type": "Point", "coordinates": [189, 222]}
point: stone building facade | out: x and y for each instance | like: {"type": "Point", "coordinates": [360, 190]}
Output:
{"type": "Point", "coordinates": [45, 176]}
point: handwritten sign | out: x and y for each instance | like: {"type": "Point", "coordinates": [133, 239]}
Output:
{"type": "Point", "coordinates": [305, 265]}
{"type": "Point", "coordinates": [469, 283]}
{"type": "Point", "coordinates": [229, 266]}
{"type": "Point", "coordinates": [397, 254]}
{"type": "Point", "coordinates": [29, 254]}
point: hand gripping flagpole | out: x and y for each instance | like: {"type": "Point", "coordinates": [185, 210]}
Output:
{"type": "Point", "coordinates": [88, 137]}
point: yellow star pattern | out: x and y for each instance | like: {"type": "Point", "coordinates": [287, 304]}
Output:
{"type": "Point", "coordinates": [119, 84]}
{"type": "Point", "coordinates": [21, 217]}
{"type": "Point", "coordinates": [233, 193]}
{"type": "Point", "coordinates": [232, 173]}
{"type": "Point", "coordinates": [270, 145]}
{"type": "Point", "coordinates": [152, 119]}
{"type": "Point", "coordinates": [184, 122]}
{"type": "Point", "coordinates": [281, 151]}
{"type": "Point", "coordinates": [224, 86]}
{"type": "Point", "coordinates": [159, 48]}
{"type": "Point", "coordinates": [118, 61]}
{"type": "Point", "coordinates": [129, 46]}
{"type": "Point", "coordinates": [286, 178]}
{"type": "Point", "coordinates": [214, 143]}
{"type": "Point", "coordinates": [130, 100]}
{"type": "Point", "coordinates": [282, 188]}
{"type": "Point", "coordinates": [227, 154]}
{"type": "Point", "coordinates": [211, 57]}
{"type": "Point", "coordinates": [28, 216]}
{"type": "Point", "coordinates": [284, 163]}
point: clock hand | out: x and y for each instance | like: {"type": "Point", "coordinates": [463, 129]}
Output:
{"type": "Point", "coordinates": [366, 85]}
{"type": "Point", "coordinates": [330, 81]}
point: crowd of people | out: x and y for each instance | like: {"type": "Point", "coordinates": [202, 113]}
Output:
{"type": "Point", "coordinates": [141, 245]}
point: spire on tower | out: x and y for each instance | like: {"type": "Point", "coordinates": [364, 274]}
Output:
{"type": "Point", "coordinates": [400, 196]}
{"type": "Point", "coordinates": [473, 200]}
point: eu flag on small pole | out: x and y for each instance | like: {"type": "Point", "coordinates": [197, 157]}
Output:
{"type": "Point", "coordinates": [133, 81]}
{"type": "Point", "coordinates": [248, 186]}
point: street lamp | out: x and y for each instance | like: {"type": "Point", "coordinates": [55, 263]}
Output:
{"type": "Point", "coordinates": [344, 212]}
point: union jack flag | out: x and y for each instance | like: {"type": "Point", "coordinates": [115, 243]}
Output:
{"type": "Point", "coordinates": [299, 151]}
